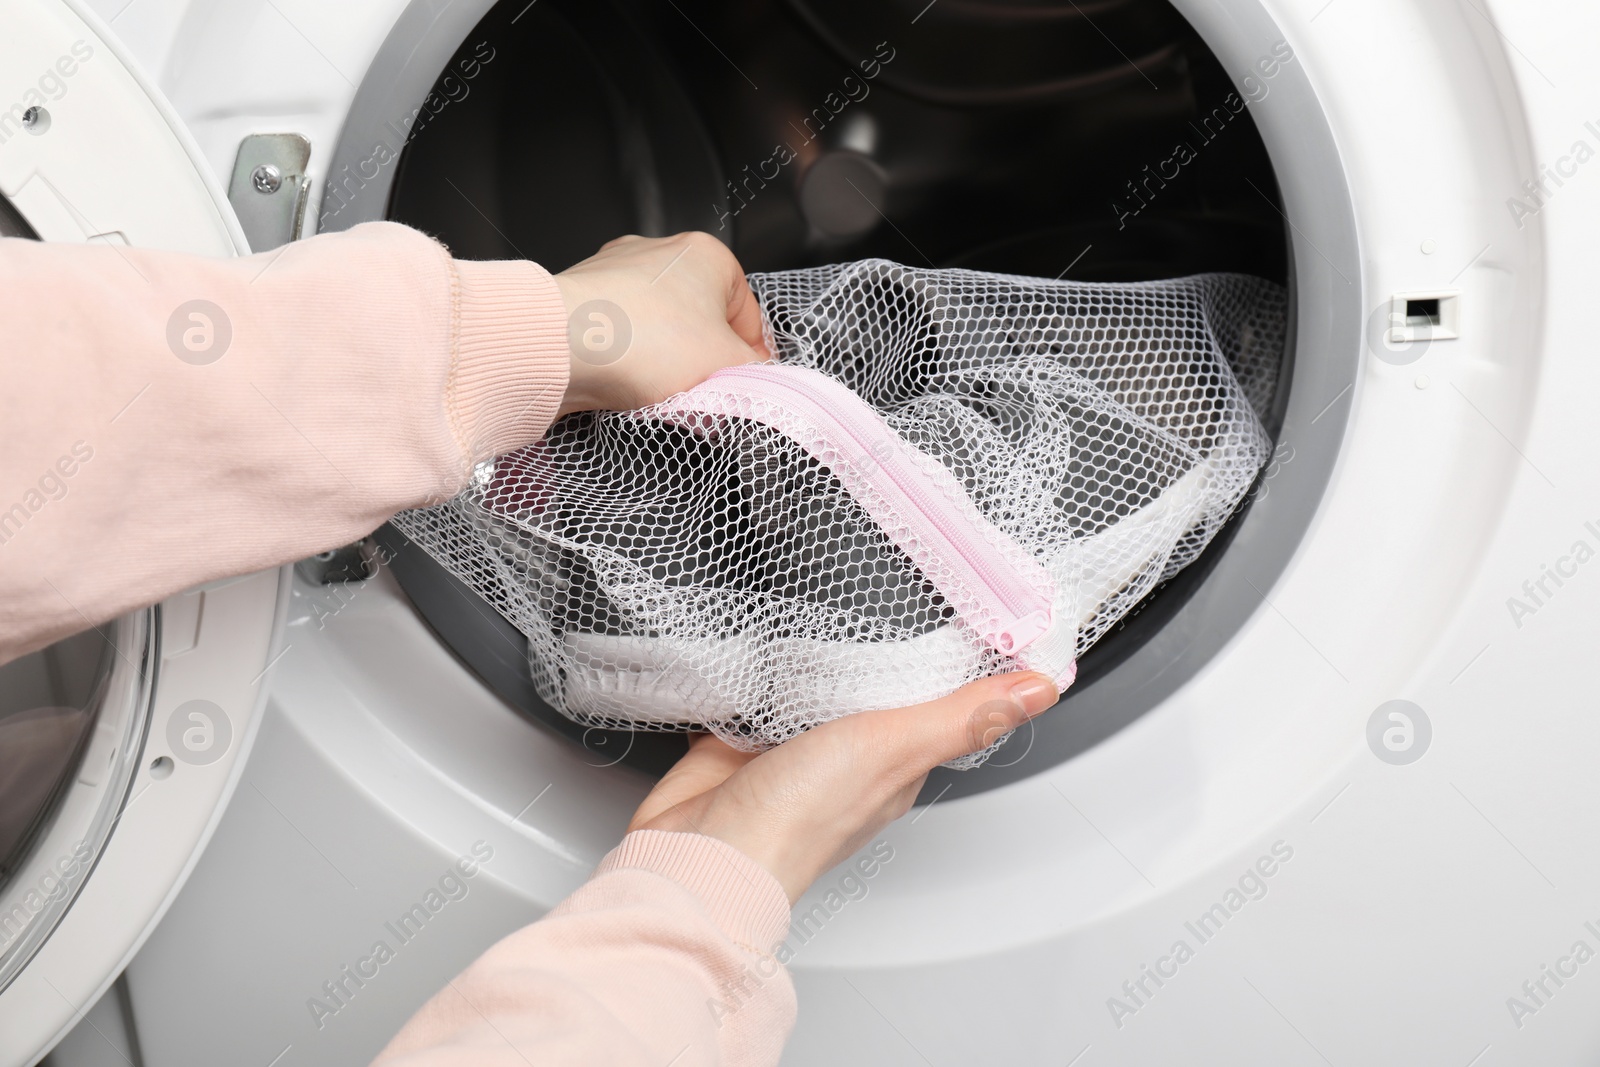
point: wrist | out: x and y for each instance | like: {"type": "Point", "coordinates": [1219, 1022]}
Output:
{"type": "Point", "coordinates": [767, 846]}
{"type": "Point", "coordinates": [597, 334]}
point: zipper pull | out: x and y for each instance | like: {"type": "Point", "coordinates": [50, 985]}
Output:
{"type": "Point", "coordinates": [1020, 633]}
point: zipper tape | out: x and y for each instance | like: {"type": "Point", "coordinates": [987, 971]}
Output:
{"type": "Point", "coordinates": [997, 588]}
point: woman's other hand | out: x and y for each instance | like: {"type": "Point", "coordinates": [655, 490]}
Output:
{"type": "Point", "coordinates": [804, 807]}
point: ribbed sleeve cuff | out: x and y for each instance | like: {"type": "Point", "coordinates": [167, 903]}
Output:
{"type": "Point", "coordinates": [511, 356]}
{"type": "Point", "coordinates": [741, 896]}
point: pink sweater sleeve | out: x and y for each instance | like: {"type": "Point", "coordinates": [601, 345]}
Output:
{"type": "Point", "coordinates": [166, 420]}
{"type": "Point", "coordinates": [656, 960]}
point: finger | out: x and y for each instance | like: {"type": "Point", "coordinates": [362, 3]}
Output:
{"type": "Point", "coordinates": [919, 738]}
{"type": "Point", "coordinates": [709, 762]}
{"type": "Point", "coordinates": [711, 748]}
{"type": "Point", "coordinates": [744, 314]}
{"type": "Point", "coordinates": [625, 239]}
{"type": "Point", "coordinates": [740, 307]}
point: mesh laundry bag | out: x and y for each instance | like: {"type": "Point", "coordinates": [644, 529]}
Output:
{"type": "Point", "coordinates": [945, 475]}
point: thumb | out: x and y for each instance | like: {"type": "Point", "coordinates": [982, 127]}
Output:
{"type": "Point", "coordinates": [972, 718]}
{"type": "Point", "coordinates": [744, 313]}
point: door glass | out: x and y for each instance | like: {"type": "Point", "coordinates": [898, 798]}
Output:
{"type": "Point", "coordinates": [47, 704]}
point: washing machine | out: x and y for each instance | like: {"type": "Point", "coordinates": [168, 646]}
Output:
{"type": "Point", "coordinates": [1321, 799]}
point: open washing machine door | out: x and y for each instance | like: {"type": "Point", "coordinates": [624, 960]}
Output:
{"type": "Point", "coordinates": [118, 746]}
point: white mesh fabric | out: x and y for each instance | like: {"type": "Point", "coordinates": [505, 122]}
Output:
{"type": "Point", "coordinates": [710, 573]}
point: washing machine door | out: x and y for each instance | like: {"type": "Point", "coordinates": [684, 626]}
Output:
{"type": "Point", "coordinates": [118, 747]}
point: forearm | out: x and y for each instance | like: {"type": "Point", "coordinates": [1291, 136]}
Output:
{"type": "Point", "coordinates": [329, 385]}
{"type": "Point", "coordinates": [664, 956]}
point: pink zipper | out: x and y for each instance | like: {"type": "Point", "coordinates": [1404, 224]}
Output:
{"type": "Point", "coordinates": [998, 589]}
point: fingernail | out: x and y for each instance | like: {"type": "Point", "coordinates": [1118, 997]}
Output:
{"type": "Point", "coordinates": [1035, 694]}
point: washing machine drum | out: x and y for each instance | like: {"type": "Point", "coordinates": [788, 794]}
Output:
{"type": "Point", "coordinates": [944, 475]}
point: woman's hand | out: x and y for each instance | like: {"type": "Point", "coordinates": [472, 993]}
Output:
{"type": "Point", "coordinates": [802, 808]}
{"type": "Point", "coordinates": [649, 317]}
